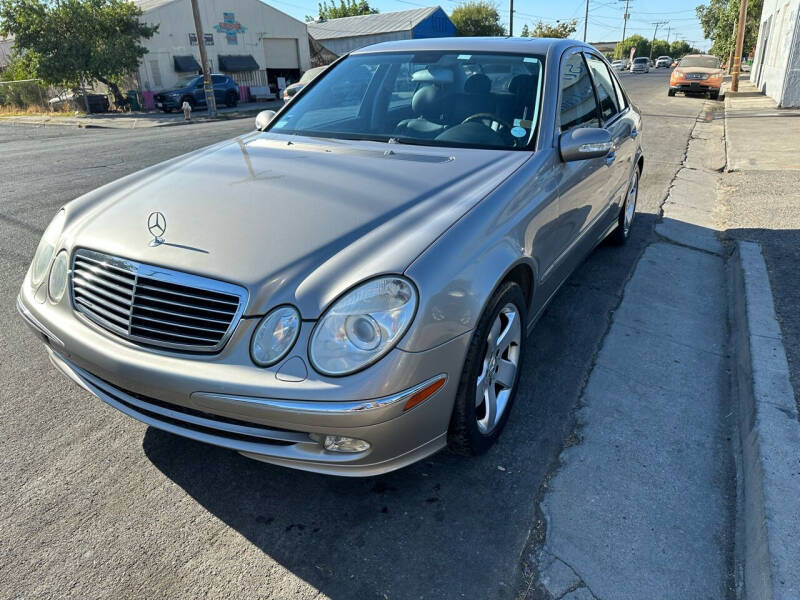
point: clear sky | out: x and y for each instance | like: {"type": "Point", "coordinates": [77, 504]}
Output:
{"type": "Point", "coordinates": [605, 16]}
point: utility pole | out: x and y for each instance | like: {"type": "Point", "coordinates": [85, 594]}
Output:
{"type": "Point", "coordinates": [511, 18]}
{"type": "Point", "coordinates": [585, 21]}
{"type": "Point", "coordinates": [737, 53]}
{"type": "Point", "coordinates": [657, 23]}
{"type": "Point", "coordinates": [624, 23]}
{"type": "Point", "coordinates": [669, 29]}
{"type": "Point", "coordinates": [211, 102]}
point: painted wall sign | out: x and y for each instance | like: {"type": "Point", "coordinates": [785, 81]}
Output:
{"type": "Point", "coordinates": [230, 27]}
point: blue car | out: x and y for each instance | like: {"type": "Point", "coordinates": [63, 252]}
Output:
{"type": "Point", "coordinates": [226, 91]}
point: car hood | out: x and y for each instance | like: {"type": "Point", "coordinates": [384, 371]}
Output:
{"type": "Point", "coordinates": [294, 220]}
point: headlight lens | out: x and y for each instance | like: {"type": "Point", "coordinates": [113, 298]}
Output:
{"type": "Point", "coordinates": [46, 248]}
{"type": "Point", "coordinates": [275, 336]}
{"type": "Point", "coordinates": [57, 283]}
{"type": "Point", "coordinates": [363, 325]}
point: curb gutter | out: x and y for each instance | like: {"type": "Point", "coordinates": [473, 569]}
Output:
{"type": "Point", "coordinates": [769, 435]}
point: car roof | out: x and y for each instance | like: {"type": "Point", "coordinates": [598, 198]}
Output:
{"type": "Point", "coordinates": [475, 44]}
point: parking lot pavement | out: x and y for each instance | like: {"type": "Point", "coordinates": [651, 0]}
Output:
{"type": "Point", "coordinates": [93, 504]}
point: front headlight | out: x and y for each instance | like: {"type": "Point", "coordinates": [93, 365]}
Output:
{"type": "Point", "coordinates": [57, 284]}
{"type": "Point", "coordinates": [275, 336]}
{"type": "Point", "coordinates": [46, 249]}
{"type": "Point", "coordinates": [363, 325]}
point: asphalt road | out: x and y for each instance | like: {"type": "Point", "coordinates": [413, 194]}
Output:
{"type": "Point", "coordinates": [93, 504]}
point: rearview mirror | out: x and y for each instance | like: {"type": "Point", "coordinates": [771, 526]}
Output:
{"type": "Point", "coordinates": [583, 143]}
{"type": "Point", "coordinates": [263, 118]}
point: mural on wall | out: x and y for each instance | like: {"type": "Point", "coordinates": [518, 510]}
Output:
{"type": "Point", "coordinates": [230, 27]}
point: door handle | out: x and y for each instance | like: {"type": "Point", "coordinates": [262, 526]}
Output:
{"type": "Point", "coordinates": [634, 132]}
{"type": "Point", "coordinates": [610, 158]}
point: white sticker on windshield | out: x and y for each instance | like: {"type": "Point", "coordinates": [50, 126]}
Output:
{"type": "Point", "coordinates": [529, 59]}
{"type": "Point", "coordinates": [518, 132]}
{"type": "Point", "coordinates": [464, 56]}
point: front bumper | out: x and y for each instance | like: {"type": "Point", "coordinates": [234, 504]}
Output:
{"type": "Point", "coordinates": [221, 401]}
{"type": "Point", "coordinates": [697, 86]}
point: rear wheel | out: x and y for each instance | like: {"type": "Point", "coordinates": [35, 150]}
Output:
{"type": "Point", "coordinates": [491, 372]}
{"type": "Point", "coordinates": [231, 99]}
{"type": "Point", "coordinates": [628, 211]}
{"type": "Point", "coordinates": [714, 95]}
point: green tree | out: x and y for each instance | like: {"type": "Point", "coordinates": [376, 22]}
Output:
{"type": "Point", "coordinates": [680, 48]}
{"type": "Point", "coordinates": [641, 43]}
{"type": "Point", "coordinates": [477, 18]}
{"type": "Point", "coordinates": [525, 31]}
{"type": "Point", "coordinates": [351, 8]}
{"type": "Point", "coordinates": [562, 29]}
{"type": "Point", "coordinates": [660, 48]}
{"type": "Point", "coordinates": [718, 19]}
{"type": "Point", "coordinates": [72, 40]}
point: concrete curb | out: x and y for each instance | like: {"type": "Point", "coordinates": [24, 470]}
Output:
{"type": "Point", "coordinates": [769, 435]}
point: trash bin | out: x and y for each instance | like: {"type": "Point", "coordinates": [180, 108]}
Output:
{"type": "Point", "coordinates": [133, 100]}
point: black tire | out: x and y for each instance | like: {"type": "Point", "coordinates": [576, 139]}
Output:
{"type": "Point", "coordinates": [670, 92]}
{"type": "Point", "coordinates": [464, 436]}
{"type": "Point", "coordinates": [167, 110]}
{"type": "Point", "coordinates": [621, 233]}
{"type": "Point", "coordinates": [231, 99]}
{"type": "Point", "coordinates": [714, 95]}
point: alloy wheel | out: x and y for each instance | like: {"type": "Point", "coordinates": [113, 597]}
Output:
{"type": "Point", "coordinates": [499, 370]}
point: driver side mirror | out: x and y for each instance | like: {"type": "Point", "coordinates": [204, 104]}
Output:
{"type": "Point", "coordinates": [583, 143]}
{"type": "Point", "coordinates": [263, 118]}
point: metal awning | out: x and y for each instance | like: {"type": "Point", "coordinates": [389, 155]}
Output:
{"type": "Point", "coordinates": [237, 62]}
{"type": "Point", "coordinates": [185, 64]}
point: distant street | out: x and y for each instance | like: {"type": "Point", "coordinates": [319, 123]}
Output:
{"type": "Point", "coordinates": [96, 505]}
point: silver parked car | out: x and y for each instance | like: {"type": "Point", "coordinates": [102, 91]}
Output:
{"type": "Point", "coordinates": [640, 64]}
{"type": "Point", "coordinates": [351, 288]}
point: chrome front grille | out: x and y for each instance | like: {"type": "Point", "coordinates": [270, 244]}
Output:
{"type": "Point", "coordinates": [153, 305]}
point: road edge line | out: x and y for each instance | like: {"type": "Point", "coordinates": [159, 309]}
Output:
{"type": "Point", "coordinates": [769, 434]}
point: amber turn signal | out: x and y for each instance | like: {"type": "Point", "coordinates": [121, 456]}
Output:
{"type": "Point", "coordinates": [424, 393]}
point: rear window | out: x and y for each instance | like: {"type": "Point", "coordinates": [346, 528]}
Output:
{"type": "Point", "coordinates": [704, 62]}
{"type": "Point", "coordinates": [640, 60]}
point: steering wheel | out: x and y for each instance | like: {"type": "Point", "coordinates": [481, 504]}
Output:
{"type": "Point", "coordinates": [502, 127]}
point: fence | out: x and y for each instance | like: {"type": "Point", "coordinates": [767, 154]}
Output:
{"type": "Point", "coordinates": [24, 94]}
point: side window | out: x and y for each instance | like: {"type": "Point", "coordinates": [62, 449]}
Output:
{"type": "Point", "coordinates": [606, 94]}
{"type": "Point", "coordinates": [578, 105]}
{"type": "Point", "coordinates": [217, 79]}
{"type": "Point", "coordinates": [620, 95]}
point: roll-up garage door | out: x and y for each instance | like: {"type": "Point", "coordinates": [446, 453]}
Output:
{"type": "Point", "coordinates": [281, 53]}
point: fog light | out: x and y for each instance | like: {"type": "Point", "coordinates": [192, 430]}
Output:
{"type": "Point", "coordinates": [340, 443]}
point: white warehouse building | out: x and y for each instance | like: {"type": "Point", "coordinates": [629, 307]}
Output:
{"type": "Point", "coordinates": [776, 64]}
{"type": "Point", "coordinates": [248, 40]}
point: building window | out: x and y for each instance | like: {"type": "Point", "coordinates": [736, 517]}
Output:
{"type": "Point", "coordinates": [155, 73]}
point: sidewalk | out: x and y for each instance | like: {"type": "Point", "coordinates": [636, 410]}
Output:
{"type": "Point", "coordinates": [682, 478]}
{"type": "Point", "coordinates": [643, 505]}
{"type": "Point", "coordinates": [140, 120]}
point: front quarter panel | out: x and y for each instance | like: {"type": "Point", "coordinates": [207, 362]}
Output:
{"type": "Point", "coordinates": [458, 273]}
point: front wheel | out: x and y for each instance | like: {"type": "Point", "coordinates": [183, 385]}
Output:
{"type": "Point", "coordinates": [490, 375]}
{"type": "Point", "coordinates": [714, 95]}
{"type": "Point", "coordinates": [670, 92]}
{"type": "Point", "coordinates": [628, 211]}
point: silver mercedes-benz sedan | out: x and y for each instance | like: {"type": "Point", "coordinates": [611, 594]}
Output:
{"type": "Point", "coordinates": [350, 288]}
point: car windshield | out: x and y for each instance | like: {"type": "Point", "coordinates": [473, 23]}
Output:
{"type": "Point", "coordinates": [706, 62]}
{"type": "Point", "coordinates": [186, 81]}
{"type": "Point", "coordinates": [310, 74]}
{"type": "Point", "coordinates": [429, 98]}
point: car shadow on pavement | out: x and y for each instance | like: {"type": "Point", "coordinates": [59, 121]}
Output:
{"type": "Point", "coordinates": [447, 527]}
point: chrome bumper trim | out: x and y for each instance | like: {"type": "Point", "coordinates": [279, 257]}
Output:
{"type": "Point", "coordinates": [325, 408]}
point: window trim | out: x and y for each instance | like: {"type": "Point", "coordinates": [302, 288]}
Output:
{"type": "Point", "coordinates": [557, 120]}
{"type": "Point", "coordinates": [619, 112]}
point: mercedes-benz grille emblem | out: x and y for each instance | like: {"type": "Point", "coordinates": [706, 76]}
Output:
{"type": "Point", "coordinates": [157, 226]}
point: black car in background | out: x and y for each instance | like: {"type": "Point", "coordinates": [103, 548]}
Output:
{"type": "Point", "coordinates": [226, 91]}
